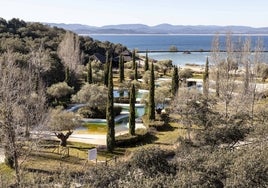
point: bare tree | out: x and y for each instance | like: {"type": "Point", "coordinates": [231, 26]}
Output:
{"type": "Point", "coordinates": [69, 51]}
{"type": "Point", "coordinates": [21, 107]}
{"type": "Point", "coordinates": [216, 59]}
{"type": "Point", "coordinates": [182, 106]}
{"type": "Point", "coordinates": [236, 72]}
{"type": "Point", "coordinates": [225, 67]}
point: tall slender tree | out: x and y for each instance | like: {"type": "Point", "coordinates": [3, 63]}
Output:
{"type": "Point", "coordinates": [132, 110]}
{"type": "Point", "coordinates": [146, 62]}
{"type": "Point", "coordinates": [216, 59]}
{"type": "Point", "coordinates": [89, 73]}
{"type": "Point", "coordinates": [135, 71]}
{"type": "Point", "coordinates": [151, 105]}
{"type": "Point", "coordinates": [133, 59]}
{"type": "Point", "coordinates": [205, 79]}
{"type": "Point", "coordinates": [106, 70]}
{"type": "Point", "coordinates": [175, 81]}
{"type": "Point", "coordinates": [69, 51]}
{"type": "Point", "coordinates": [121, 69]}
{"type": "Point", "coordinates": [110, 141]}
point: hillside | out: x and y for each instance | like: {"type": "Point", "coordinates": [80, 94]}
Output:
{"type": "Point", "coordinates": [25, 39]}
{"type": "Point", "coordinates": [159, 29]}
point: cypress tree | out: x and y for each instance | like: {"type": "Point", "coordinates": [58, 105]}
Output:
{"type": "Point", "coordinates": [151, 109]}
{"type": "Point", "coordinates": [132, 110]}
{"type": "Point", "coordinates": [106, 70]}
{"type": "Point", "coordinates": [205, 79]}
{"type": "Point", "coordinates": [135, 71]}
{"type": "Point", "coordinates": [133, 59]}
{"type": "Point", "coordinates": [121, 69]}
{"type": "Point", "coordinates": [175, 81]}
{"type": "Point", "coordinates": [146, 63]}
{"type": "Point", "coordinates": [89, 73]}
{"type": "Point", "coordinates": [110, 140]}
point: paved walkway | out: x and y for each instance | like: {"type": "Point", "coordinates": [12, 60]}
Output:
{"type": "Point", "coordinates": [95, 139]}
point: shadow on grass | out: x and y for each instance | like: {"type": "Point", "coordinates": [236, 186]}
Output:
{"type": "Point", "coordinates": [166, 128]}
{"type": "Point", "coordinates": [136, 140]}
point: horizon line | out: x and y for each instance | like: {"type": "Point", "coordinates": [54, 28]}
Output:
{"type": "Point", "coordinates": [188, 25]}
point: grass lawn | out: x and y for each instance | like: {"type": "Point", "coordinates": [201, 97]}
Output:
{"type": "Point", "coordinates": [47, 160]}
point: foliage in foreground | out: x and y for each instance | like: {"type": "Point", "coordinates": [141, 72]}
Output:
{"type": "Point", "coordinates": [157, 167]}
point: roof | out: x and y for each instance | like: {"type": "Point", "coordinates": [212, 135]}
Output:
{"type": "Point", "coordinates": [98, 57]}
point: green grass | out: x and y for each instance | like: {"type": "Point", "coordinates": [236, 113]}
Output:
{"type": "Point", "coordinates": [44, 160]}
{"type": "Point", "coordinates": [6, 174]}
{"type": "Point", "coordinates": [198, 76]}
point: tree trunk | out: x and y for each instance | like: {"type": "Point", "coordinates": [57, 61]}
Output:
{"type": "Point", "coordinates": [11, 151]}
{"type": "Point", "coordinates": [63, 138]}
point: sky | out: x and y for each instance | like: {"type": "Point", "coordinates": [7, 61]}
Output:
{"type": "Point", "coordinates": [252, 13]}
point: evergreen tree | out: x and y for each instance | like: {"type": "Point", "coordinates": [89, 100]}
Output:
{"type": "Point", "coordinates": [89, 73]}
{"type": "Point", "coordinates": [175, 81]}
{"type": "Point", "coordinates": [132, 110]}
{"type": "Point", "coordinates": [106, 70]}
{"type": "Point", "coordinates": [133, 59]}
{"type": "Point", "coordinates": [121, 69]}
{"type": "Point", "coordinates": [151, 109]}
{"type": "Point", "coordinates": [146, 63]}
{"type": "Point", "coordinates": [109, 112]}
{"type": "Point", "coordinates": [205, 79]}
{"type": "Point", "coordinates": [135, 71]}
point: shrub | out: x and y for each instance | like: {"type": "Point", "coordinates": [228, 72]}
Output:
{"type": "Point", "coordinates": [95, 112]}
{"type": "Point", "coordinates": [152, 161]}
{"type": "Point", "coordinates": [127, 140]}
{"type": "Point", "coordinates": [186, 73]}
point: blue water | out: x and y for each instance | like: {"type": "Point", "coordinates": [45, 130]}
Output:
{"type": "Point", "coordinates": [182, 42]}
{"type": "Point", "coordinates": [163, 42]}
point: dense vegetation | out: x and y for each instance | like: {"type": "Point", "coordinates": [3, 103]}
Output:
{"type": "Point", "coordinates": [29, 40]}
{"type": "Point", "coordinates": [224, 140]}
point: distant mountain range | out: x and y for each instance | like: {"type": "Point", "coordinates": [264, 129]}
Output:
{"type": "Point", "coordinates": [159, 29]}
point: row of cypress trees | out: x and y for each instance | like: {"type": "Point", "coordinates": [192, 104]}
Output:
{"type": "Point", "coordinates": [109, 108]}
{"type": "Point", "coordinates": [151, 102]}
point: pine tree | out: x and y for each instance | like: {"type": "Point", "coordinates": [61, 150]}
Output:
{"type": "Point", "coordinates": [175, 81]}
{"type": "Point", "coordinates": [109, 113]}
{"type": "Point", "coordinates": [205, 79]}
{"type": "Point", "coordinates": [146, 63]}
{"type": "Point", "coordinates": [132, 110]}
{"type": "Point", "coordinates": [121, 69]}
{"type": "Point", "coordinates": [89, 73]}
{"type": "Point", "coordinates": [133, 59]}
{"type": "Point", "coordinates": [151, 109]}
